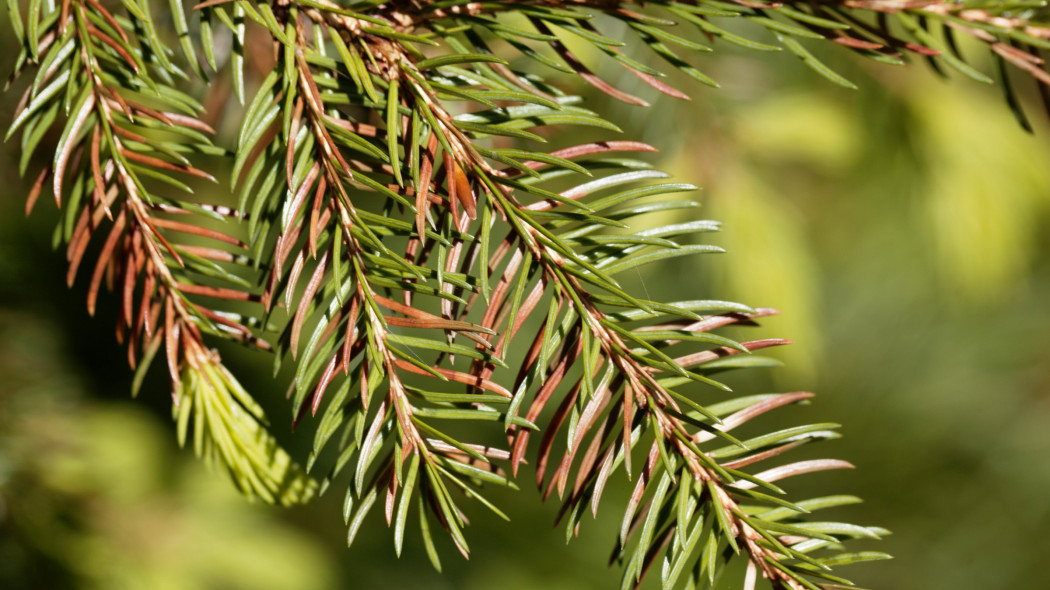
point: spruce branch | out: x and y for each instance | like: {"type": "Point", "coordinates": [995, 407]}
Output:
{"type": "Point", "coordinates": [327, 153]}
{"type": "Point", "coordinates": [116, 162]}
{"type": "Point", "coordinates": [424, 265]}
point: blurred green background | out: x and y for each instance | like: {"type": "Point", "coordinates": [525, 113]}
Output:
{"type": "Point", "coordinates": [902, 229]}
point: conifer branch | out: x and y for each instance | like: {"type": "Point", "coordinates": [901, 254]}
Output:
{"type": "Point", "coordinates": [422, 262]}
{"type": "Point", "coordinates": [114, 162]}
